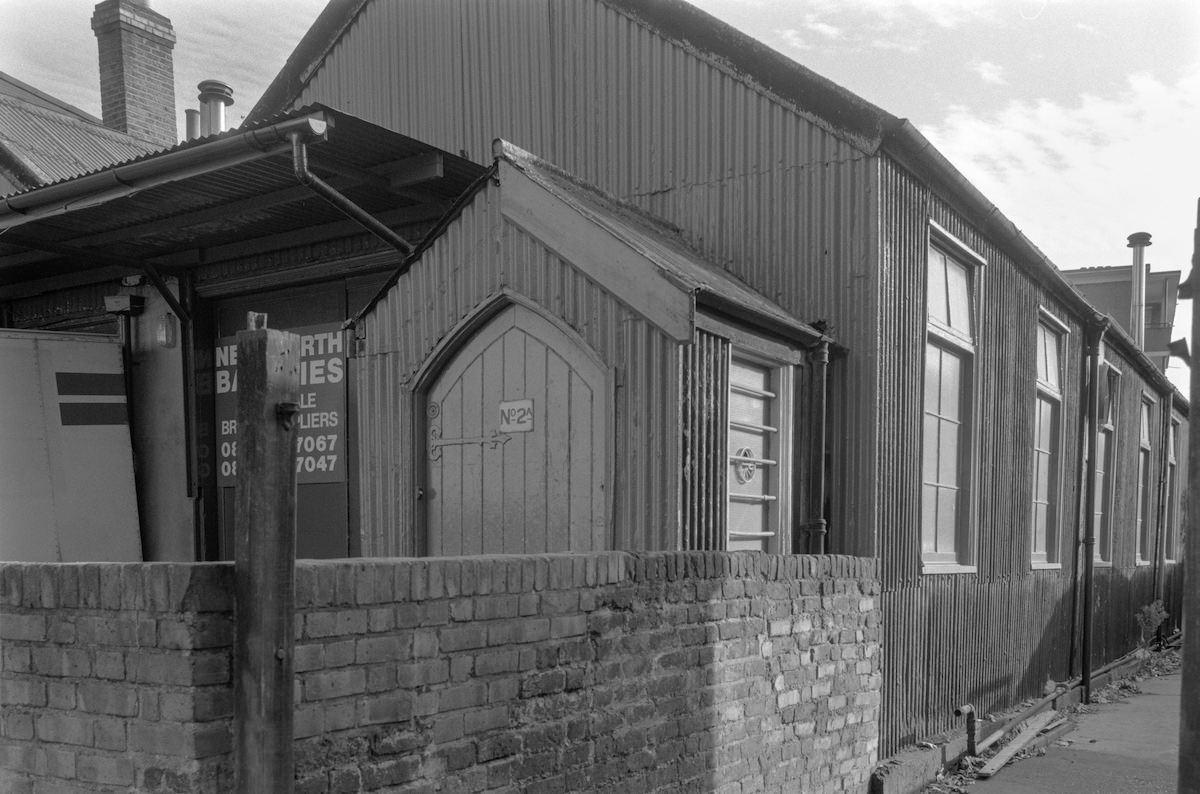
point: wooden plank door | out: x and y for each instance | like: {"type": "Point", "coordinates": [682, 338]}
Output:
{"type": "Point", "coordinates": [516, 443]}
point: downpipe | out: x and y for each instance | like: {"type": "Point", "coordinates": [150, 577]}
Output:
{"type": "Point", "coordinates": [1089, 539]}
{"type": "Point", "coordinates": [341, 202]}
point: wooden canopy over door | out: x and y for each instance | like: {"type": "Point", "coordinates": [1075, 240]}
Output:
{"type": "Point", "coordinates": [516, 451]}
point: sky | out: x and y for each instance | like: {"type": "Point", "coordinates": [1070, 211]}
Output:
{"type": "Point", "coordinates": [1075, 117]}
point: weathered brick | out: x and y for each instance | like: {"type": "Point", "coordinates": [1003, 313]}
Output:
{"type": "Point", "coordinates": [462, 696]}
{"type": "Point", "coordinates": [351, 621]}
{"type": "Point", "coordinates": [110, 734]}
{"type": "Point", "coordinates": [392, 772]}
{"type": "Point", "coordinates": [335, 683]}
{"type": "Point", "coordinates": [369, 650]}
{"type": "Point", "coordinates": [158, 738]}
{"type": "Point", "coordinates": [18, 726]}
{"type": "Point", "coordinates": [16, 658]}
{"type": "Point", "coordinates": [339, 654]}
{"type": "Point", "coordinates": [30, 628]}
{"type": "Point", "coordinates": [104, 769]}
{"type": "Point", "coordinates": [386, 708]}
{"type": "Point", "coordinates": [61, 695]}
{"type": "Point", "coordinates": [462, 638]}
{"type": "Point", "coordinates": [22, 692]}
{"type": "Point", "coordinates": [65, 728]}
{"type": "Point", "coordinates": [381, 619]}
{"type": "Point", "coordinates": [518, 631]}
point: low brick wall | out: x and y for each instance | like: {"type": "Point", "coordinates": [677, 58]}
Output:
{"type": "Point", "coordinates": [640, 672]}
{"type": "Point", "coordinates": [115, 677]}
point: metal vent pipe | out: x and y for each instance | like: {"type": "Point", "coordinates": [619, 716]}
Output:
{"type": "Point", "coordinates": [214, 96]}
{"type": "Point", "coordinates": [1138, 241]}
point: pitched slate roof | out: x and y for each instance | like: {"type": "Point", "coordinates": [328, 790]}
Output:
{"type": "Point", "coordinates": [44, 140]}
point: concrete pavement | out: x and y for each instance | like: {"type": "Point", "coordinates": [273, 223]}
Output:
{"type": "Point", "coordinates": [1131, 747]}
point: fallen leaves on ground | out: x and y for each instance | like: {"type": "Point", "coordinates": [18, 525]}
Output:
{"type": "Point", "coordinates": [1155, 664]}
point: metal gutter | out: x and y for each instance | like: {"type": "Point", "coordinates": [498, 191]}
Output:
{"type": "Point", "coordinates": [158, 169]}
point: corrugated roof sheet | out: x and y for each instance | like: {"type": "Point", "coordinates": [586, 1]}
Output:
{"type": "Point", "coordinates": [226, 206]}
{"type": "Point", "coordinates": [49, 146]}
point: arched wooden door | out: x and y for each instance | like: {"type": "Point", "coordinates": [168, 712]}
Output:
{"type": "Point", "coordinates": [516, 443]}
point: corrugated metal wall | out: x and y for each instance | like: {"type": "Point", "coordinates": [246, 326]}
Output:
{"type": "Point", "coordinates": [477, 257]}
{"type": "Point", "coordinates": [705, 383]}
{"type": "Point", "coordinates": [994, 637]}
{"type": "Point", "coordinates": [786, 206]}
{"type": "Point", "coordinates": [798, 213]}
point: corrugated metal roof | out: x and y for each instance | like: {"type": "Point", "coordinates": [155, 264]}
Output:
{"type": "Point", "coordinates": [49, 146]}
{"type": "Point", "coordinates": [170, 222]}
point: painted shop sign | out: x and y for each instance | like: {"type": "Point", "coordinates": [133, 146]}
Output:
{"type": "Point", "coordinates": [320, 437]}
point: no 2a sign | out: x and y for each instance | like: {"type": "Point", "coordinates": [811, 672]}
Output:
{"type": "Point", "coordinates": [321, 433]}
{"type": "Point", "coordinates": [516, 416]}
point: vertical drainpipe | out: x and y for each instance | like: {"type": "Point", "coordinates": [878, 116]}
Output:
{"type": "Point", "coordinates": [813, 541]}
{"type": "Point", "coordinates": [1160, 508]}
{"type": "Point", "coordinates": [1095, 340]}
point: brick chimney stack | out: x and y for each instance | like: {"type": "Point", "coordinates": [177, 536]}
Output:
{"type": "Point", "coordinates": [137, 73]}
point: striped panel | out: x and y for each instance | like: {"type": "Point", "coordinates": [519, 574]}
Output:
{"type": "Point", "coordinates": [705, 382]}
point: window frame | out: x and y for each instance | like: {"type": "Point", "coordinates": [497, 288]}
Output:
{"type": "Point", "coordinates": [1171, 544]}
{"type": "Point", "coordinates": [782, 358]}
{"type": "Point", "coordinates": [1060, 333]}
{"type": "Point", "coordinates": [966, 348]}
{"type": "Point", "coordinates": [1143, 520]}
{"type": "Point", "coordinates": [1102, 552]}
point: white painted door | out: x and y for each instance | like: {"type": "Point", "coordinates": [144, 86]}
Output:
{"type": "Point", "coordinates": [516, 452]}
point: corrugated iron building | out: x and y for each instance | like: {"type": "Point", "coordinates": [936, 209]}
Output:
{"type": "Point", "coordinates": [771, 208]}
{"type": "Point", "coordinates": [828, 206]}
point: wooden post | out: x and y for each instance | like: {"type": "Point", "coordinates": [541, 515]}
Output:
{"type": "Point", "coordinates": [268, 392]}
{"type": "Point", "coordinates": [1189, 718]}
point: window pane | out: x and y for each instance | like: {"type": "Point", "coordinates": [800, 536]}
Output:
{"type": "Point", "coordinates": [1053, 367]}
{"type": "Point", "coordinates": [947, 519]}
{"type": "Point", "coordinates": [935, 295]}
{"type": "Point", "coordinates": [1039, 531]}
{"type": "Point", "coordinates": [951, 387]}
{"type": "Point", "coordinates": [958, 297]}
{"type": "Point", "coordinates": [748, 409]}
{"type": "Point", "coordinates": [742, 373]}
{"type": "Point", "coordinates": [933, 377]}
{"type": "Point", "coordinates": [929, 448]}
{"type": "Point", "coordinates": [928, 519]}
{"type": "Point", "coordinates": [1041, 477]}
{"type": "Point", "coordinates": [744, 517]}
{"type": "Point", "coordinates": [1046, 424]}
{"type": "Point", "coordinates": [1041, 352]}
{"type": "Point", "coordinates": [948, 454]}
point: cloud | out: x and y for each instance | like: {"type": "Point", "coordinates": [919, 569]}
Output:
{"type": "Point", "coordinates": [813, 23]}
{"type": "Point", "coordinates": [907, 46]}
{"type": "Point", "coordinates": [946, 14]}
{"type": "Point", "coordinates": [1079, 177]}
{"type": "Point", "coordinates": [989, 72]}
{"type": "Point", "coordinates": [793, 38]}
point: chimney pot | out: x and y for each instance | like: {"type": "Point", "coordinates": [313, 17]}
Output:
{"type": "Point", "coordinates": [1139, 240]}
